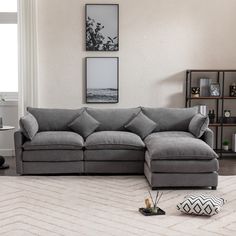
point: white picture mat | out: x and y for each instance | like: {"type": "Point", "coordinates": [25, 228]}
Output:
{"type": "Point", "coordinates": [102, 73]}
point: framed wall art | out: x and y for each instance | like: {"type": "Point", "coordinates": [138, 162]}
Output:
{"type": "Point", "coordinates": [215, 89]}
{"type": "Point", "coordinates": [102, 27]}
{"type": "Point", "coordinates": [102, 79]}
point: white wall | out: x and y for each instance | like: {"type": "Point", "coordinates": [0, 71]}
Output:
{"type": "Point", "coordinates": [159, 40]}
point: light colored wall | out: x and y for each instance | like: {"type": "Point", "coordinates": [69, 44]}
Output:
{"type": "Point", "coordinates": [159, 40]}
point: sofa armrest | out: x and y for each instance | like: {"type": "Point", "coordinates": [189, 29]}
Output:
{"type": "Point", "coordinates": [19, 140]}
{"type": "Point", "coordinates": [208, 137]}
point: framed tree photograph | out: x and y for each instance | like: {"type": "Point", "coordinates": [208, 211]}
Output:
{"type": "Point", "coordinates": [102, 79]}
{"type": "Point", "coordinates": [102, 27]}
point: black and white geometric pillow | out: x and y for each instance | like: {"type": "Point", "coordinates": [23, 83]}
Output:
{"type": "Point", "coordinates": [201, 205]}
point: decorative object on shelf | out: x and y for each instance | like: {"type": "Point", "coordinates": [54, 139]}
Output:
{"type": "Point", "coordinates": [212, 116]}
{"type": "Point", "coordinates": [228, 120]}
{"type": "Point", "coordinates": [102, 79]}
{"type": "Point", "coordinates": [225, 145]}
{"type": "Point", "coordinates": [151, 206]}
{"type": "Point", "coordinates": [232, 89]}
{"type": "Point", "coordinates": [227, 113]}
{"type": "Point", "coordinates": [102, 27]}
{"type": "Point", "coordinates": [195, 92]}
{"type": "Point", "coordinates": [1, 122]}
{"type": "Point", "coordinates": [204, 87]}
{"type": "Point", "coordinates": [215, 89]}
{"type": "Point", "coordinates": [202, 109]}
{"type": "Point", "coordinates": [234, 142]}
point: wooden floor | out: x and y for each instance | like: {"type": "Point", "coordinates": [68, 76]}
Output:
{"type": "Point", "coordinates": [227, 166]}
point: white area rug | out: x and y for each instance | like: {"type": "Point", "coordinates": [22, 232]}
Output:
{"type": "Point", "coordinates": [104, 205]}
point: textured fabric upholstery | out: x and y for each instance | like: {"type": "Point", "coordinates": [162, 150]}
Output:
{"type": "Point", "coordinates": [57, 167]}
{"type": "Point", "coordinates": [55, 140]}
{"type": "Point", "coordinates": [208, 137]}
{"type": "Point", "coordinates": [180, 179]}
{"type": "Point", "coordinates": [198, 125]}
{"type": "Point", "coordinates": [53, 155]}
{"type": "Point", "coordinates": [114, 140]}
{"type": "Point", "coordinates": [84, 125]}
{"type": "Point", "coordinates": [19, 140]}
{"type": "Point", "coordinates": [113, 119]}
{"type": "Point", "coordinates": [177, 145]}
{"type": "Point", "coordinates": [29, 125]}
{"type": "Point", "coordinates": [170, 119]}
{"type": "Point", "coordinates": [113, 167]}
{"type": "Point", "coordinates": [182, 166]}
{"type": "Point", "coordinates": [114, 155]}
{"type": "Point", "coordinates": [141, 125]}
{"type": "Point", "coordinates": [54, 119]}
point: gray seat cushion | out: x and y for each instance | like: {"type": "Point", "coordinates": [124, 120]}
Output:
{"type": "Point", "coordinates": [113, 119]}
{"type": "Point", "coordinates": [54, 119]}
{"type": "Point", "coordinates": [182, 166]}
{"type": "Point", "coordinates": [114, 140]}
{"type": "Point", "coordinates": [55, 140]}
{"type": "Point", "coordinates": [170, 119]}
{"type": "Point", "coordinates": [177, 145]}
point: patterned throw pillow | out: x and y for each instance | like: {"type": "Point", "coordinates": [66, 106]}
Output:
{"type": "Point", "coordinates": [201, 205]}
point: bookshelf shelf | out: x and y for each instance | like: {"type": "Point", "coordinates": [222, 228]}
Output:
{"type": "Point", "coordinates": [219, 104]}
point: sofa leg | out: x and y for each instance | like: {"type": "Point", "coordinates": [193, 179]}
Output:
{"type": "Point", "coordinates": [214, 187]}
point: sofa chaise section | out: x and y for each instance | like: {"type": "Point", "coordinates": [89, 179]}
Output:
{"type": "Point", "coordinates": [177, 158]}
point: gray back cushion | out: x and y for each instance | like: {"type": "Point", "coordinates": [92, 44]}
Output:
{"type": "Point", "coordinates": [170, 119]}
{"type": "Point", "coordinates": [54, 119]}
{"type": "Point", "coordinates": [113, 119]}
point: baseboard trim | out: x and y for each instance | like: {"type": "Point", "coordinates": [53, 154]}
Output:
{"type": "Point", "coordinates": [7, 152]}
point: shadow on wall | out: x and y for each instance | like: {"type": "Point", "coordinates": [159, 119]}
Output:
{"type": "Point", "coordinates": [172, 83]}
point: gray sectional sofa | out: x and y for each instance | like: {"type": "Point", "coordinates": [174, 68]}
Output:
{"type": "Point", "coordinates": [158, 142]}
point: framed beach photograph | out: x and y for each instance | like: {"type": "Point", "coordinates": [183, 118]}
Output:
{"type": "Point", "coordinates": [102, 80]}
{"type": "Point", "coordinates": [102, 27]}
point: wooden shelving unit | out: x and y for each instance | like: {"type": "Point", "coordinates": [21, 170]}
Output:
{"type": "Point", "coordinates": [219, 125]}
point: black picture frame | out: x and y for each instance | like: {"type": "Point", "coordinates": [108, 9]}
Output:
{"type": "Point", "coordinates": [101, 85]}
{"type": "Point", "coordinates": [103, 41]}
